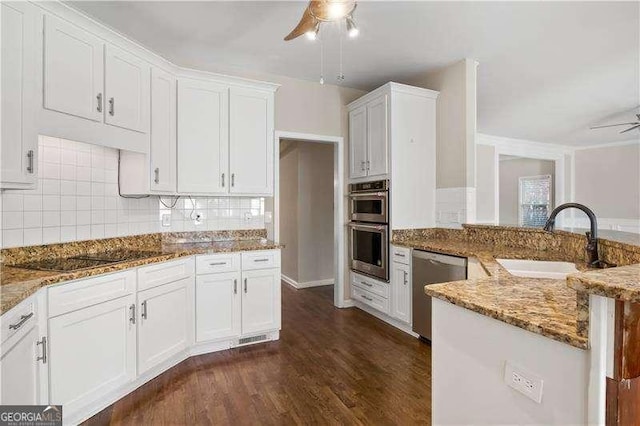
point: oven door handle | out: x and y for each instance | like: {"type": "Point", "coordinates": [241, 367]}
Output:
{"type": "Point", "coordinates": [368, 194]}
{"type": "Point", "coordinates": [363, 226]}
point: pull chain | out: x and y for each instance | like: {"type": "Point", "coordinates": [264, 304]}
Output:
{"type": "Point", "coordinates": [321, 60]}
{"type": "Point", "coordinates": [341, 75]}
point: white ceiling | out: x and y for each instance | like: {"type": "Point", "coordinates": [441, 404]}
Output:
{"type": "Point", "coordinates": [548, 70]}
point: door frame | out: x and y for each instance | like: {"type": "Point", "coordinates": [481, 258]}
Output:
{"type": "Point", "coordinates": [339, 223]}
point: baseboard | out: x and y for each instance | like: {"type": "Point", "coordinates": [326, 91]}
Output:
{"type": "Point", "coordinates": [386, 318]}
{"type": "Point", "coordinates": [349, 303]}
{"type": "Point", "coordinates": [293, 283]}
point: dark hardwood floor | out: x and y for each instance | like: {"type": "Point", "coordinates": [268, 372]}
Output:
{"type": "Point", "coordinates": [330, 366]}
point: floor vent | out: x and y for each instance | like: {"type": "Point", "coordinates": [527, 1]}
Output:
{"type": "Point", "coordinates": [253, 339]}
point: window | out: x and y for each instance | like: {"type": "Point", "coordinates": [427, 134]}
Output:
{"type": "Point", "coordinates": [534, 196]}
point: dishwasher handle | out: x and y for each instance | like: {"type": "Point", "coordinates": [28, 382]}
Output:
{"type": "Point", "coordinates": [440, 258]}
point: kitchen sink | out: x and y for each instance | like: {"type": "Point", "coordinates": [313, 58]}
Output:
{"type": "Point", "coordinates": [538, 268]}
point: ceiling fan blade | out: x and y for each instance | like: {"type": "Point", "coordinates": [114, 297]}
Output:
{"type": "Point", "coordinates": [631, 128]}
{"type": "Point", "coordinates": [614, 125]}
{"type": "Point", "coordinates": [307, 23]}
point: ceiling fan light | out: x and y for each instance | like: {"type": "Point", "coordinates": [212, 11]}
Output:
{"type": "Point", "coordinates": [352, 28]}
{"type": "Point", "coordinates": [336, 11]}
{"type": "Point", "coordinates": [313, 34]}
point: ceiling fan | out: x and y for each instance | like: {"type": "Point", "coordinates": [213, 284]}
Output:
{"type": "Point", "coordinates": [319, 11]}
{"type": "Point", "coordinates": [633, 125]}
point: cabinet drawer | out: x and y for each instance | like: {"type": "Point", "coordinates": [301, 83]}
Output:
{"type": "Point", "coordinates": [379, 303]}
{"type": "Point", "coordinates": [164, 273]}
{"type": "Point", "coordinates": [378, 288]}
{"type": "Point", "coordinates": [401, 255]}
{"type": "Point", "coordinates": [21, 317]}
{"type": "Point", "coordinates": [82, 293]}
{"type": "Point", "coordinates": [215, 263]}
{"type": "Point", "coordinates": [260, 260]}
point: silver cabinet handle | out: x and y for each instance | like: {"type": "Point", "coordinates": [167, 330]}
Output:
{"type": "Point", "coordinates": [223, 180]}
{"type": "Point", "coordinates": [368, 165]}
{"type": "Point", "coordinates": [366, 298]}
{"type": "Point", "coordinates": [245, 285]}
{"type": "Point", "coordinates": [362, 163]}
{"type": "Point", "coordinates": [217, 263]}
{"type": "Point", "coordinates": [366, 283]}
{"type": "Point", "coordinates": [157, 175]}
{"type": "Point", "coordinates": [43, 342]}
{"type": "Point", "coordinates": [235, 286]}
{"type": "Point", "coordinates": [132, 313]}
{"type": "Point", "coordinates": [260, 260]}
{"type": "Point", "coordinates": [23, 319]}
{"type": "Point", "coordinates": [99, 99]}
{"type": "Point", "coordinates": [399, 254]}
{"type": "Point", "coordinates": [144, 310]}
{"type": "Point", "coordinates": [405, 277]}
{"type": "Point", "coordinates": [30, 157]}
{"type": "Point", "coordinates": [112, 108]}
{"type": "Point", "coordinates": [233, 179]}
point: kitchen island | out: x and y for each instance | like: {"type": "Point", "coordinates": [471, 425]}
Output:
{"type": "Point", "coordinates": [486, 329]}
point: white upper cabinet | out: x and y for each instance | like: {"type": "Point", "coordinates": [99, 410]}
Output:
{"type": "Point", "coordinates": [163, 149]}
{"type": "Point", "coordinates": [377, 137]}
{"type": "Point", "coordinates": [251, 141]}
{"type": "Point", "coordinates": [369, 139]}
{"type": "Point", "coordinates": [203, 137]}
{"type": "Point", "coordinates": [126, 90]}
{"type": "Point", "coordinates": [19, 139]}
{"type": "Point", "coordinates": [73, 70]}
{"type": "Point", "coordinates": [358, 142]}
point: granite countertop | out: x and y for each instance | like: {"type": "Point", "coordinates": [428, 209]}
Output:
{"type": "Point", "coordinates": [543, 306]}
{"type": "Point", "coordinates": [16, 284]}
{"type": "Point", "coordinates": [622, 283]}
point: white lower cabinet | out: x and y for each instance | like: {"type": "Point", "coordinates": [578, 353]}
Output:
{"type": "Point", "coordinates": [218, 306]}
{"type": "Point", "coordinates": [163, 328]}
{"type": "Point", "coordinates": [401, 292]}
{"type": "Point", "coordinates": [93, 352]}
{"type": "Point", "coordinates": [23, 368]}
{"type": "Point", "coordinates": [260, 300]}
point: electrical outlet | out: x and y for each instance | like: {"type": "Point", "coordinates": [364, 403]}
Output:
{"type": "Point", "coordinates": [268, 217]}
{"type": "Point", "coordinates": [166, 219]}
{"type": "Point", "coordinates": [525, 382]}
{"type": "Point", "coordinates": [198, 218]}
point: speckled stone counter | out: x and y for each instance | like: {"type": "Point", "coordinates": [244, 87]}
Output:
{"type": "Point", "coordinates": [558, 309]}
{"type": "Point", "coordinates": [16, 284]}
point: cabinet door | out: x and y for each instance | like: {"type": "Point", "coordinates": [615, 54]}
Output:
{"type": "Point", "coordinates": [19, 138]}
{"type": "Point", "coordinates": [163, 323]}
{"type": "Point", "coordinates": [251, 141]}
{"type": "Point", "coordinates": [73, 70]}
{"type": "Point", "coordinates": [377, 137]}
{"type": "Point", "coordinates": [163, 131]}
{"type": "Point", "coordinates": [358, 142]}
{"type": "Point", "coordinates": [218, 306]}
{"type": "Point", "coordinates": [126, 90]}
{"type": "Point", "coordinates": [203, 137]}
{"type": "Point", "coordinates": [93, 352]}
{"type": "Point", "coordinates": [401, 292]}
{"type": "Point", "coordinates": [260, 301]}
{"type": "Point", "coordinates": [20, 368]}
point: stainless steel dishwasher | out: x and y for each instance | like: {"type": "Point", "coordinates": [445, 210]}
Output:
{"type": "Point", "coordinates": [431, 268]}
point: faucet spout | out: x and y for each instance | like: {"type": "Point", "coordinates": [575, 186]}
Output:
{"type": "Point", "coordinates": [592, 235]}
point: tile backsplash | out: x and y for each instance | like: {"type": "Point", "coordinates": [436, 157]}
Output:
{"type": "Point", "coordinates": [77, 199]}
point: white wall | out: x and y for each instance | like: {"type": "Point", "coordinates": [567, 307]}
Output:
{"type": "Point", "coordinates": [511, 170]}
{"type": "Point", "coordinates": [306, 206]}
{"type": "Point", "coordinates": [469, 352]}
{"type": "Point", "coordinates": [607, 179]}
{"type": "Point", "coordinates": [486, 175]}
{"type": "Point", "coordinates": [77, 199]}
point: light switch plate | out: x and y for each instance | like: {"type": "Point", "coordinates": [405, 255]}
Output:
{"type": "Point", "coordinates": [166, 219]}
{"type": "Point", "coordinates": [527, 383]}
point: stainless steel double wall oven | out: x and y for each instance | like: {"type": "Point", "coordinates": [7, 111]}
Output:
{"type": "Point", "coordinates": [369, 228]}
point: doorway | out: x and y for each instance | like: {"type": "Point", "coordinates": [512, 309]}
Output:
{"type": "Point", "coordinates": [309, 211]}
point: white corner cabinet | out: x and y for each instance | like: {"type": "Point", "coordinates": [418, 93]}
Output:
{"type": "Point", "coordinates": [86, 343]}
{"type": "Point", "coordinates": [65, 75]}
{"type": "Point", "coordinates": [392, 135]}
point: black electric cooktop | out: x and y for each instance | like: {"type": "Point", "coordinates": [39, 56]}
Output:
{"type": "Point", "coordinates": [87, 261]}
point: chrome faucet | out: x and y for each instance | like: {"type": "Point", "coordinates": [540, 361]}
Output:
{"type": "Point", "coordinates": [592, 234]}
